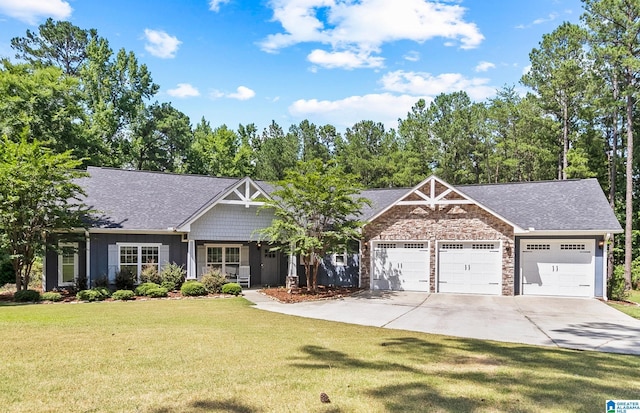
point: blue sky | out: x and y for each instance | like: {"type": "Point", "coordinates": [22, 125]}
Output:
{"type": "Point", "coordinates": [329, 61]}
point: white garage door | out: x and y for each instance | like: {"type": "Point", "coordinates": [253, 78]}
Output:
{"type": "Point", "coordinates": [401, 265]}
{"type": "Point", "coordinates": [469, 267]}
{"type": "Point", "coordinates": [558, 267]}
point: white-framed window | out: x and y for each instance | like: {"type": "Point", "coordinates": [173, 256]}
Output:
{"type": "Point", "coordinates": [135, 257]}
{"type": "Point", "coordinates": [225, 258]}
{"type": "Point", "coordinates": [340, 259]}
{"type": "Point", "coordinates": [67, 263]}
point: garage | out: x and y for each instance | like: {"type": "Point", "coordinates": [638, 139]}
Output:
{"type": "Point", "coordinates": [473, 267]}
{"type": "Point", "coordinates": [558, 267]}
{"type": "Point", "coordinates": [400, 266]}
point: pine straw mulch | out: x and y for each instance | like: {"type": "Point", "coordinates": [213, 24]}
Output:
{"type": "Point", "coordinates": [299, 295]}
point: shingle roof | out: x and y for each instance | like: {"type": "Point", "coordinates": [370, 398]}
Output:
{"type": "Point", "coordinates": [140, 200]}
{"type": "Point", "coordinates": [548, 206]}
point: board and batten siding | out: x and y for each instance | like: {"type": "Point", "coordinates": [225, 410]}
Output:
{"type": "Point", "coordinates": [230, 223]}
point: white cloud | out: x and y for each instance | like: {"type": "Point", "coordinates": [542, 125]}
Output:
{"type": "Point", "coordinates": [551, 17]}
{"type": "Point", "coordinates": [420, 83]}
{"type": "Point", "coordinates": [345, 60]}
{"type": "Point", "coordinates": [214, 5]}
{"type": "Point", "coordinates": [183, 90]}
{"type": "Point", "coordinates": [241, 93]}
{"type": "Point", "coordinates": [526, 69]}
{"type": "Point", "coordinates": [484, 66]}
{"type": "Point", "coordinates": [412, 56]}
{"type": "Point", "coordinates": [385, 107]}
{"type": "Point", "coordinates": [160, 44]}
{"type": "Point", "coordinates": [362, 27]}
{"type": "Point", "coordinates": [30, 11]}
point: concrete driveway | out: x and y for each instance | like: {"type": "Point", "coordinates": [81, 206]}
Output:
{"type": "Point", "coordinates": [574, 323]}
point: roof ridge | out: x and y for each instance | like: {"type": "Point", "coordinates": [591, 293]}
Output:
{"type": "Point", "coordinates": [109, 168]}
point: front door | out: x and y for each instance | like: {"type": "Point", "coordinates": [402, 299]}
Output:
{"type": "Point", "coordinates": [270, 274]}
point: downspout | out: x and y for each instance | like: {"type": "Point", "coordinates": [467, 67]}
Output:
{"type": "Point", "coordinates": [605, 279]}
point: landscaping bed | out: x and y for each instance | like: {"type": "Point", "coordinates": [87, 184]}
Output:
{"type": "Point", "coordinates": [285, 295]}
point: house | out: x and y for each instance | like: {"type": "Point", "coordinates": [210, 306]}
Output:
{"type": "Point", "coordinates": [539, 238]}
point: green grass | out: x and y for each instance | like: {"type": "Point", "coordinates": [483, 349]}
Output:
{"type": "Point", "coordinates": [221, 355]}
{"type": "Point", "coordinates": [634, 296]}
{"type": "Point", "coordinates": [632, 310]}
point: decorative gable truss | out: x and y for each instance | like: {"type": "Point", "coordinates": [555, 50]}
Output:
{"type": "Point", "coordinates": [435, 193]}
{"type": "Point", "coordinates": [245, 193]}
{"type": "Point", "coordinates": [432, 193]}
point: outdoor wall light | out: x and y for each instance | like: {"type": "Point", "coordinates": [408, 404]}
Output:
{"type": "Point", "coordinates": [601, 243]}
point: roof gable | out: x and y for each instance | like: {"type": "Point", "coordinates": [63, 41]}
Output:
{"type": "Point", "coordinates": [434, 192]}
{"type": "Point", "coordinates": [246, 193]}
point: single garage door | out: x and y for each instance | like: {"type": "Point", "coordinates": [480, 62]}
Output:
{"type": "Point", "coordinates": [469, 267]}
{"type": "Point", "coordinates": [401, 265]}
{"type": "Point", "coordinates": [558, 267]}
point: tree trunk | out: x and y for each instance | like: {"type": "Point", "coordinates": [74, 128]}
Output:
{"type": "Point", "coordinates": [565, 139]}
{"type": "Point", "coordinates": [628, 228]}
{"type": "Point", "coordinates": [613, 169]}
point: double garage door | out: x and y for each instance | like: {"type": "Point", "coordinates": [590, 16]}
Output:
{"type": "Point", "coordinates": [463, 267]}
{"type": "Point", "coordinates": [558, 267]}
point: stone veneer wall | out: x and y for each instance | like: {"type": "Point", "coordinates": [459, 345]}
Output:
{"type": "Point", "coordinates": [465, 222]}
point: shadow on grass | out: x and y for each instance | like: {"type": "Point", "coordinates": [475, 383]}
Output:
{"type": "Point", "coordinates": [507, 377]}
{"type": "Point", "coordinates": [231, 405]}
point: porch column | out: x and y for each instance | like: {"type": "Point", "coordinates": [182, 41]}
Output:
{"type": "Point", "coordinates": [191, 260]}
{"type": "Point", "coordinates": [293, 264]}
{"type": "Point", "coordinates": [88, 258]}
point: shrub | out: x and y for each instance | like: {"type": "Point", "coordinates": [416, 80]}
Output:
{"type": "Point", "coordinates": [149, 274]}
{"type": "Point", "coordinates": [25, 296]}
{"type": "Point", "coordinates": [157, 292]}
{"type": "Point", "coordinates": [193, 288]}
{"type": "Point", "coordinates": [94, 294]}
{"type": "Point", "coordinates": [232, 288]}
{"type": "Point", "coordinates": [213, 281]}
{"type": "Point", "coordinates": [81, 283]}
{"type": "Point", "coordinates": [615, 285]}
{"type": "Point", "coordinates": [125, 279]}
{"type": "Point", "coordinates": [169, 285]}
{"type": "Point", "coordinates": [52, 296]}
{"type": "Point", "coordinates": [101, 281]}
{"type": "Point", "coordinates": [142, 289]}
{"type": "Point", "coordinates": [7, 276]}
{"type": "Point", "coordinates": [173, 273]}
{"type": "Point", "coordinates": [123, 295]}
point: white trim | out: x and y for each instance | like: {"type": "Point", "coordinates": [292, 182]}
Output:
{"type": "Point", "coordinates": [605, 263]}
{"type": "Point", "coordinates": [563, 233]}
{"type": "Point", "coordinates": [63, 245]}
{"type": "Point", "coordinates": [88, 258]}
{"type": "Point", "coordinates": [245, 200]}
{"type": "Point", "coordinates": [133, 231]}
{"type": "Point", "coordinates": [224, 253]}
{"type": "Point", "coordinates": [191, 260]}
{"type": "Point", "coordinates": [334, 260]}
{"type": "Point", "coordinates": [138, 245]}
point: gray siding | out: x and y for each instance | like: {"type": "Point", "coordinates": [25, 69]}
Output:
{"type": "Point", "coordinates": [100, 245]}
{"type": "Point", "coordinates": [338, 275]}
{"type": "Point", "coordinates": [230, 223]}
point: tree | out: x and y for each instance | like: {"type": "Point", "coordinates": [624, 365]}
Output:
{"type": "Point", "coordinates": [47, 104]}
{"type": "Point", "coordinates": [57, 43]}
{"type": "Point", "coordinates": [367, 151]}
{"type": "Point", "coordinates": [316, 208]}
{"type": "Point", "coordinates": [558, 75]}
{"type": "Point", "coordinates": [275, 152]}
{"type": "Point", "coordinates": [38, 195]}
{"type": "Point", "coordinates": [615, 25]}
{"type": "Point", "coordinates": [161, 139]}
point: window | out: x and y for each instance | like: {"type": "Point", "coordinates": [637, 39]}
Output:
{"type": "Point", "coordinates": [135, 257]}
{"type": "Point", "coordinates": [385, 246]}
{"type": "Point", "coordinates": [572, 246]}
{"type": "Point", "coordinates": [225, 258]}
{"type": "Point", "coordinates": [340, 259]}
{"type": "Point", "coordinates": [450, 246]}
{"type": "Point", "coordinates": [415, 245]}
{"type": "Point", "coordinates": [487, 246]}
{"type": "Point", "coordinates": [538, 246]}
{"type": "Point", "coordinates": [68, 263]}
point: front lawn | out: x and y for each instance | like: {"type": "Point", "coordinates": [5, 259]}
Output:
{"type": "Point", "coordinates": [629, 309]}
{"type": "Point", "coordinates": [221, 355]}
